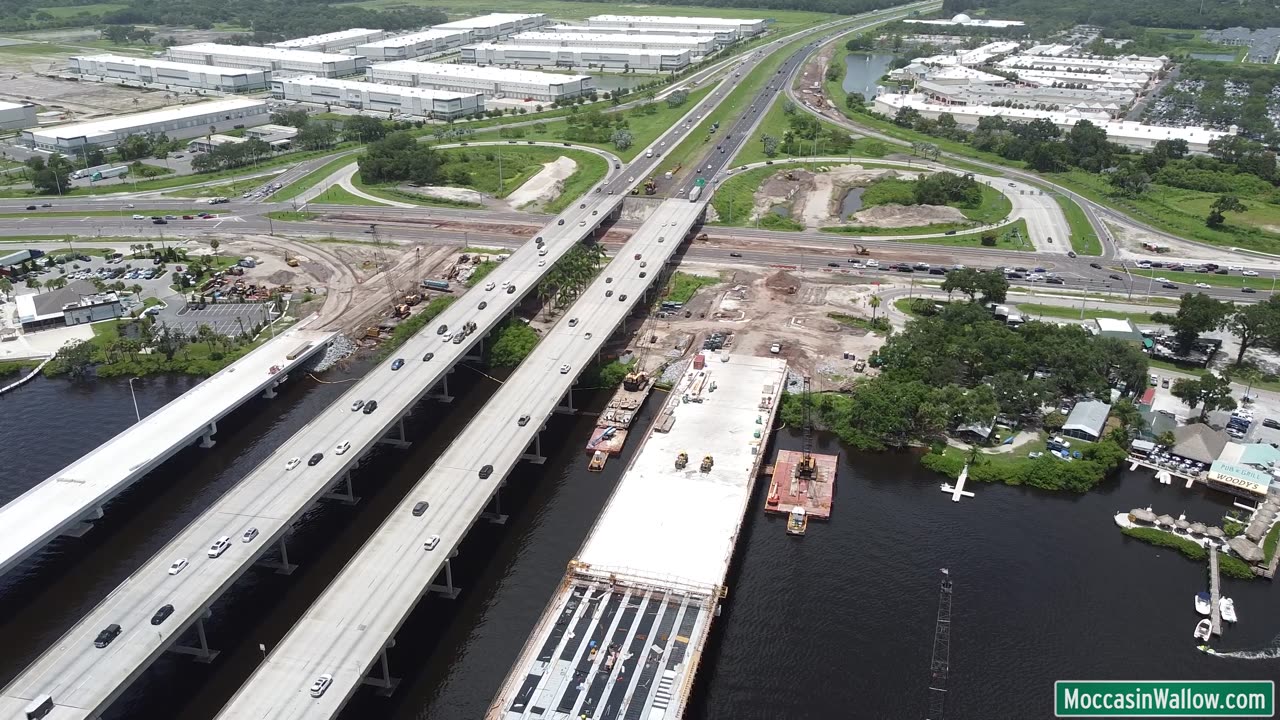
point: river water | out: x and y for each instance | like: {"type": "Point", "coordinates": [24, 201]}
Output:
{"type": "Point", "coordinates": [838, 624]}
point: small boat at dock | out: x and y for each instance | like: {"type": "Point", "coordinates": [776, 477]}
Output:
{"type": "Point", "coordinates": [598, 459]}
{"type": "Point", "coordinates": [1203, 628]}
{"type": "Point", "coordinates": [1228, 608]}
{"type": "Point", "coordinates": [1203, 605]}
{"type": "Point", "coordinates": [797, 521]}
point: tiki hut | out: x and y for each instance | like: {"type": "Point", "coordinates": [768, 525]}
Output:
{"type": "Point", "coordinates": [1246, 550]}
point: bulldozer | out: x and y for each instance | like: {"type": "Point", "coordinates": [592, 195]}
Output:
{"type": "Point", "coordinates": [635, 381]}
{"type": "Point", "coordinates": [682, 460]}
{"type": "Point", "coordinates": [412, 299]}
{"type": "Point", "coordinates": [860, 250]}
{"type": "Point", "coordinates": [402, 311]}
{"type": "Point", "coordinates": [707, 462]}
{"type": "Point", "coordinates": [650, 186]}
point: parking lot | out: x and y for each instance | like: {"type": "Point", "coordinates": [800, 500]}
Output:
{"type": "Point", "coordinates": [223, 318]}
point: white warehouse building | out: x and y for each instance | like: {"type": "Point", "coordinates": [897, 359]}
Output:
{"type": "Point", "coordinates": [697, 46]}
{"type": "Point", "coordinates": [15, 116]}
{"type": "Point", "coordinates": [602, 57]}
{"type": "Point", "coordinates": [276, 60]}
{"type": "Point", "coordinates": [740, 28]}
{"type": "Point", "coordinates": [178, 123]}
{"type": "Point", "coordinates": [491, 81]}
{"type": "Point", "coordinates": [496, 25]}
{"type": "Point", "coordinates": [413, 45]}
{"type": "Point", "coordinates": [722, 37]}
{"type": "Point", "coordinates": [420, 102]}
{"type": "Point", "coordinates": [167, 72]}
{"type": "Point", "coordinates": [332, 42]}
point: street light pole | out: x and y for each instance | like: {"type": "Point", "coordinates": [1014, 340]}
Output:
{"type": "Point", "coordinates": [137, 415]}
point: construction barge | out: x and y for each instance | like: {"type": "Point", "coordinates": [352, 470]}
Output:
{"type": "Point", "coordinates": [610, 433]}
{"type": "Point", "coordinates": [623, 634]}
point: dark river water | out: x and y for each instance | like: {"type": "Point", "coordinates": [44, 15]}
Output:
{"type": "Point", "coordinates": [838, 624]}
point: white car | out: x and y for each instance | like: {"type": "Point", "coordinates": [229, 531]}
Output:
{"type": "Point", "coordinates": [139, 217]}
{"type": "Point", "coordinates": [1250, 273]}
{"type": "Point", "coordinates": [293, 463]}
{"type": "Point", "coordinates": [543, 251]}
{"type": "Point", "coordinates": [219, 546]}
{"type": "Point", "coordinates": [249, 535]}
{"type": "Point", "coordinates": [1236, 268]}
{"type": "Point", "coordinates": [775, 348]}
{"type": "Point", "coordinates": [342, 448]}
{"type": "Point", "coordinates": [1202, 285]}
{"type": "Point", "coordinates": [431, 543]}
{"type": "Point", "coordinates": [447, 337]}
{"type": "Point", "coordinates": [321, 684]}
{"type": "Point", "coordinates": [873, 263]}
{"type": "Point", "coordinates": [489, 285]}
{"type": "Point", "coordinates": [177, 566]}
{"type": "Point", "coordinates": [1162, 279]}
{"type": "Point", "coordinates": [1144, 265]}
{"type": "Point", "coordinates": [564, 369]}
{"type": "Point", "coordinates": [542, 263]}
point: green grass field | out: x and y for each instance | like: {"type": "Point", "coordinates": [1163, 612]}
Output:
{"type": "Point", "coordinates": [517, 164]}
{"type": "Point", "coordinates": [308, 181]}
{"type": "Point", "coordinates": [1187, 280]}
{"type": "Point", "coordinates": [776, 124]}
{"type": "Point", "coordinates": [1009, 237]}
{"type": "Point", "coordinates": [685, 285]}
{"type": "Point", "coordinates": [338, 195]}
{"type": "Point", "coordinates": [1037, 310]}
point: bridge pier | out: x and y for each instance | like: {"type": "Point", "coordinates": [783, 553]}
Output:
{"type": "Point", "coordinates": [477, 353]}
{"type": "Point", "coordinates": [346, 496]}
{"type": "Point", "coordinates": [447, 589]}
{"type": "Point", "coordinates": [443, 386]}
{"type": "Point", "coordinates": [281, 566]}
{"type": "Point", "coordinates": [567, 404]}
{"type": "Point", "coordinates": [202, 654]}
{"type": "Point", "coordinates": [85, 523]}
{"type": "Point", "coordinates": [495, 516]}
{"type": "Point", "coordinates": [385, 684]}
{"type": "Point", "coordinates": [397, 441]}
{"type": "Point", "coordinates": [270, 392]}
{"type": "Point", "coordinates": [206, 440]}
{"type": "Point", "coordinates": [535, 457]}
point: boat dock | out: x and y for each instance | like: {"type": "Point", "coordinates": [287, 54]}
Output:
{"type": "Point", "coordinates": [957, 491]}
{"type": "Point", "coordinates": [1215, 591]}
{"type": "Point", "coordinates": [622, 636]}
{"type": "Point", "coordinates": [790, 489]}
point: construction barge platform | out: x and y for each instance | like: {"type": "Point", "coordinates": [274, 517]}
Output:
{"type": "Point", "coordinates": [622, 636]}
{"type": "Point", "coordinates": [794, 487]}
{"type": "Point", "coordinates": [610, 433]}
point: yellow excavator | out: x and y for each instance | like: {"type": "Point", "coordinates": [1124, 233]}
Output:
{"type": "Point", "coordinates": [682, 460]}
{"type": "Point", "coordinates": [707, 462]}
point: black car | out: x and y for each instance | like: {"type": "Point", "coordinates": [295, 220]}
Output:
{"type": "Point", "coordinates": [937, 271]}
{"type": "Point", "coordinates": [1170, 286]}
{"type": "Point", "coordinates": [643, 274]}
{"type": "Point", "coordinates": [1115, 277]}
{"type": "Point", "coordinates": [486, 471]}
{"type": "Point", "coordinates": [737, 255]}
{"type": "Point", "coordinates": [482, 305]}
{"type": "Point", "coordinates": [1248, 290]}
{"type": "Point", "coordinates": [315, 459]}
{"type": "Point", "coordinates": [1054, 281]}
{"type": "Point", "coordinates": [31, 207]}
{"type": "Point", "coordinates": [905, 268]}
{"type": "Point", "coordinates": [428, 356]}
{"type": "Point", "coordinates": [442, 329]}
{"type": "Point", "coordinates": [109, 633]}
{"type": "Point", "coordinates": [833, 264]}
{"type": "Point", "coordinates": [511, 289]}
{"type": "Point", "coordinates": [370, 406]}
{"type": "Point", "coordinates": [420, 508]}
{"type": "Point", "coordinates": [1071, 253]}
{"type": "Point", "coordinates": [1095, 266]}
{"type": "Point", "coordinates": [160, 221]}
{"type": "Point", "coordinates": [561, 221]}
{"type": "Point", "coordinates": [608, 293]}
{"type": "Point", "coordinates": [1222, 271]}
{"type": "Point", "coordinates": [162, 614]}
{"type": "Point", "coordinates": [622, 297]}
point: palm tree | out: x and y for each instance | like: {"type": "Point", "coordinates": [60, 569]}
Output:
{"type": "Point", "coordinates": [213, 245]}
{"type": "Point", "coordinates": [34, 284]}
{"type": "Point", "coordinates": [55, 283]}
{"type": "Point", "coordinates": [874, 302]}
{"type": "Point", "coordinates": [6, 287]}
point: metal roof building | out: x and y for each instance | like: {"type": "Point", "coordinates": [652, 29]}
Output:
{"type": "Point", "coordinates": [602, 57]}
{"type": "Point", "coordinates": [742, 28]}
{"type": "Point", "coordinates": [178, 123]}
{"type": "Point", "coordinates": [269, 58]}
{"type": "Point", "coordinates": [334, 41]}
{"type": "Point", "coordinates": [496, 25]}
{"type": "Point", "coordinates": [420, 102]}
{"type": "Point", "coordinates": [491, 81]}
{"type": "Point", "coordinates": [15, 116]}
{"type": "Point", "coordinates": [406, 47]}
{"type": "Point", "coordinates": [696, 45]}
{"type": "Point", "coordinates": [722, 36]}
{"type": "Point", "coordinates": [1087, 420]}
{"type": "Point", "coordinates": [167, 72]}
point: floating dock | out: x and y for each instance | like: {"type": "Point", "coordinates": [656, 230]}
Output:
{"type": "Point", "coordinates": [1215, 591]}
{"type": "Point", "coordinates": [789, 490]}
{"type": "Point", "coordinates": [618, 415]}
{"type": "Point", "coordinates": [623, 634]}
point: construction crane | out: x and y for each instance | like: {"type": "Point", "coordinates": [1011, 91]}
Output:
{"type": "Point", "coordinates": [384, 267]}
{"type": "Point", "coordinates": [808, 467]}
{"type": "Point", "coordinates": [940, 665]}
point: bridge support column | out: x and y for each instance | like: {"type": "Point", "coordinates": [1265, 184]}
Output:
{"type": "Point", "coordinates": [495, 516]}
{"type": "Point", "coordinates": [281, 566]}
{"type": "Point", "coordinates": [566, 406]}
{"type": "Point", "coordinates": [477, 352]}
{"type": "Point", "coordinates": [346, 495]}
{"type": "Point", "coordinates": [398, 439]}
{"type": "Point", "coordinates": [441, 390]}
{"type": "Point", "coordinates": [447, 589]}
{"type": "Point", "coordinates": [84, 525]}
{"type": "Point", "coordinates": [270, 392]}
{"type": "Point", "coordinates": [385, 684]}
{"type": "Point", "coordinates": [535, 457]}
{"type": "Point", "coordinates": [206, 441]}
{"type": "Point", "coordinates": [202, 653]}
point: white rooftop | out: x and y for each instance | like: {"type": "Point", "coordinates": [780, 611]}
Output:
{"type": "Point", "coordinates": [170, 64]}
{"type": "Point", "coordinates": [682, 524]}
{"type": "Point", "coordinates": [92, 128]}
{"type": "Point", "coordinates": [612, 49]}
{"type": "Point", "coordinates": [485, 72]}
{"type": "Point", "coordinates": [576, 39]}
{"type": "Point", "coordinates": [12, 106]}
{"type": "Point", "coordinates": [415, 38]}
{"type": "Point", "coordinates": [673, 20]}
{"type": "Point", "coordinates": [326, 38]}
{"type": "Point", "coordinates": [488, 21]}
{"type": "Point", "coordinates": [253, 51]}
{"type": "Point", "coordinates": [1115, 325]}
{"type": "Point", "coordinates": [360, 86]}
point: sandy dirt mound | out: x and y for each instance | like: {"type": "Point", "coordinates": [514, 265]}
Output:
{"type": "Point", "coordinates": [543, 187]}
{"type": "Point", "coordinates": [782, 281]}
{"type": "Point", "coordinates": [447, 193]}
{"type": "Point", "coordinates": [892, 216]}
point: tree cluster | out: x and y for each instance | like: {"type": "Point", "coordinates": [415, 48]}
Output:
{"type": "Point", "coordinates": [231, 155]}
{"type": "Point", "coordinates": [1192, 14]}
{"type": "Point", "coordinates": [1254, 325]}
{"type": "Point", "coordinates": [271, 20]}
{"type": "Point", "coordinates": [399, 157]}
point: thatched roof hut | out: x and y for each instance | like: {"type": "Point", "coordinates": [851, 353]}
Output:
{"type": "Point", "coordinates": [1165, 520]}
{"type": "Point", "coordinates": [1143, 515]}
{"type": "Point", "coordinates": [1215, 532]}
{"type": "Point", "coordinates": [1247, 550]}
{"type": "Point", "coordinates": [1197, 528]}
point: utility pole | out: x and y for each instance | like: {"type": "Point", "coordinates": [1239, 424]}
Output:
{"type": "Point", "coordinates": [940, 665]}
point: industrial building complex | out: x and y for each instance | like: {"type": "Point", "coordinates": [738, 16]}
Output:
{"type": "Point", "coordinates": [739, 28]}
{"type": "Point", "coordinates": [497, 25]}
{"type": "Point", "coordinates": [150, 71]}
{"type": "Point", "coordinates": [696, 45]}
{"type": "Point", "coordinates": [182, 122]}
{"type": "Point", "coordinates": [15, 116]}
{"type": "Point", "coordinates": [721, 37]}
{"type": "Point", "coordinates": [414, 101]}
{"type": "Point", "coordinates": [490, 81]}
{"type": "Point", "coordinates": [420, 44]}
{"type": "Point", "coordinates": [301, 62]}
{"type": "Point", "coordinates": [605, 57]}
{"type": "Point", "coordinates": [333, 42]}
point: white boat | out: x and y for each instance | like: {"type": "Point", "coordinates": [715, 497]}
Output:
{"type": "Point", "coordinates": [1202, 603]}
{"type": "Point", "coordinates": [1203, 628]}
{"type": "Point", "coordinates": [1228, 608]}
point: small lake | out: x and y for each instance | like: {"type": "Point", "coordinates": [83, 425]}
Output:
{"type": "Point", "coordinates": [851, 203]}
{"type": "Point", "coordinates": [1217, 57]}
{"type": "Point", "coordinates": [863, 72]}
{"type": "Point", "coordinates": [781, 211]}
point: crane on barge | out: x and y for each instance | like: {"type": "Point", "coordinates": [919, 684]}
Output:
{"type": "Point", "coordinates": [940, 665]}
